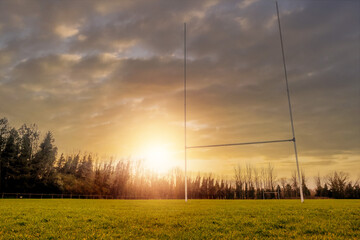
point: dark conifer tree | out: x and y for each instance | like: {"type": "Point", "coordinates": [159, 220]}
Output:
{"type": "Point", "coordinates": [4, 130]}
{"type": "Point", "coordinates": [60, 164]}
{"type": "Point", "coordinates": [9, 159]}
{"type": "Point", "coordinates": [42, 166]}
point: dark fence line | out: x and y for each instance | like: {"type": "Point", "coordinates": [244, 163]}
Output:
{"type": "Point", "coordinates": [265, 195]}
{"type": "Point", "coordinates": [54, 195]}
{"type": "Point", "coordinates": [68, 196]}
{"type": "Point", "coordinates": [276, 194]}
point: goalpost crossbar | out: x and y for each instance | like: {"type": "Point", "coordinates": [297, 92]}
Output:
{"type": "Point", "coordinates": [242, 143]}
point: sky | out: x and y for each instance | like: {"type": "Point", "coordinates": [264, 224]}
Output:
{"type": "Point", "coordinates": [107, 77]}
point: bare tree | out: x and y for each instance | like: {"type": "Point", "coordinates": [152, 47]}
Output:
{"type": "Point", "coordinates": [239, 181]}
{"type": "Point", "coordinates": [271, 176]}
{"type": "Point", "coordinates": [263, 178]}
{"type": "Point", "coordinates": [283, 182]}
{"type": "Point", "coordinates": [294, 183]}
{"type": "Point", "coordinates": [337, 182]}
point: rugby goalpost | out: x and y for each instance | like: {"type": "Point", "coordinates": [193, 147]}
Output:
{"type": "Point", "coordinates": [293, 139]}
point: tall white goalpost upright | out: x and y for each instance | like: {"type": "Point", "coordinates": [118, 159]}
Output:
{"type": "Point", "coordinates": [289, 101]}
{"type": "Point", "coordinates": [246, 143]}
{"type": "Point", "coordinates": [185, 148]}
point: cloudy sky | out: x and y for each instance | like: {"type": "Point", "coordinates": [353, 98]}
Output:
{"type": "Point", "coordinates": [107, 77]}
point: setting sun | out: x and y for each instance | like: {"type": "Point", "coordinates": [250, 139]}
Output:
{"type": "Point", "coordinates": [157, 157]}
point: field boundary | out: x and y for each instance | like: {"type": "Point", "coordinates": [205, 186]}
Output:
{"type": "Point", "coordinates": [53, 195]}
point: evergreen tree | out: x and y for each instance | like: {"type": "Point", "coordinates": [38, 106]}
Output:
{"type": "Point", "coordinates": [9, 159]}
{"type": "Point", "coordinates": [29, 141]}
{"type": "Point", "coordinates": [319, 189]}
{"type": "Point", "coordinates": [4, 130]}
{"type": "Point", "coordinates": [74, 164]}
{"type": "Point", "coordinates": [306, 190]}
{"type": "Point", "coordinates": [42, 169]}
{"type": "Point", "coordinates": [29, 136]}
{"type": "Point", "coordinates": [60, 164]}
{"type": "Point", "coordinates": [85, 168]}
{"type": "Point", "coordinates": [66, 168]}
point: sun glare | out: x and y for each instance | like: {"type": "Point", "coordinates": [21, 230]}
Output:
{"type": "Point", "coordinates": [157, 158]}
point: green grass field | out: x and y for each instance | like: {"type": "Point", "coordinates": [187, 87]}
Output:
{"type": "Point", "coordinates": [173, 219]}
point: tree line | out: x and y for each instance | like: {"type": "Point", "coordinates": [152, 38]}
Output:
{"type": "Point", "coordinates": [28, 165]}
{"type": "Point", "coordinates": [337, 185]}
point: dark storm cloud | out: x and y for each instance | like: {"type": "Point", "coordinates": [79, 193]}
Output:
{"type": "Point", "coordinates": [71, 66]}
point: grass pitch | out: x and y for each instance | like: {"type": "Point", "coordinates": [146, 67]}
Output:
{"type": "Point", "coordinates": [173, 219]}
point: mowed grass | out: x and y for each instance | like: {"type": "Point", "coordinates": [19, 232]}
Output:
{"type": "Point", "coordinates": [175, 219]}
